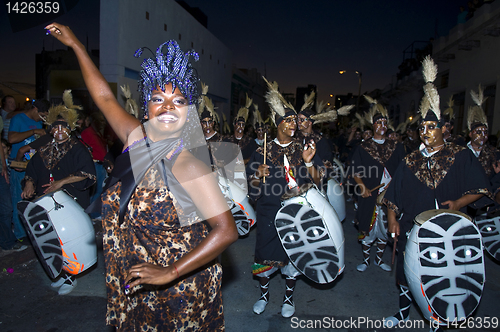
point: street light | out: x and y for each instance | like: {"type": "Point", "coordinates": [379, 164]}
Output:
{"type": "Point", "coordinates": [359, 85]}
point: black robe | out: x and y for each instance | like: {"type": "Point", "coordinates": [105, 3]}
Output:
{"type": "Point", "coordinates": [454, 172]}
{"type": "Point", "coordinates": [369, 160]}
{"type": "Point", "coordinates": [70, 158]}
{"type": "Point", "coordinates": [267, 196]}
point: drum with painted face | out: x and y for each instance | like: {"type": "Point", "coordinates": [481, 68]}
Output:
{"type": "Point", "coordinates": [444, 265]}
{"type": "Point", "coordinates": [239, 203]}
{"type": "Point", "coordinates": [311, 234]}
{"type": "Point", "coordinates": [62, 233]}
{"type": "Point", "coordinates": [489, 227]}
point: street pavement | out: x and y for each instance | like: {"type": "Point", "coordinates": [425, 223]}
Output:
{"type": "Point", "coordinates": [353, 302]}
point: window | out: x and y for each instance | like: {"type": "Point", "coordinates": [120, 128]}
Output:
{"type": "Point", "coordinates": [165, 27]}
{"type": "Point", "coordinates": [147, 15]}
{"type": "Point", "coordinates": [442, 80]}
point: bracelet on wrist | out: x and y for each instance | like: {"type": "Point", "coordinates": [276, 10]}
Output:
{"type": "Point", "coordinates": [309, 164]}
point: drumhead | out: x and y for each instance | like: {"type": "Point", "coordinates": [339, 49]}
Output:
{"type": "Point", "coordinates": [296, 191]}
{"type": "Point", "coordinates": [430, 214]}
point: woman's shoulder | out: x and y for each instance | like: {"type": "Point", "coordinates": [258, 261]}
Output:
{"type": "Point", "coordinates": [188, 166]}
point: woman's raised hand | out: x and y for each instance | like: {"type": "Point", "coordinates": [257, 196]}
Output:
{"type": "Point", "coordinates": [63, 34]}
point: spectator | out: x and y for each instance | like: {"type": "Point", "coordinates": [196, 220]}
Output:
{"type": "Point", "coordinates": [462, 16]}
{"type": "Point", "coordinates": [471, 10]}
{"type": "Point", "coordinates": [92, 136]}
{"type": "Point", "coordinates": [7, 237]}
{"type": "Point", "coordinates": [8, 107]}
{"type": "Point", "coordinates": [24, 128]}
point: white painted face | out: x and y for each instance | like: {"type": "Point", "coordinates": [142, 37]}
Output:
{"type": "Point", "coordinates": [451, 265]}
{"type": "Point", "coordinates": [490, 232]}
{"type": "Point", "coordinates": [307, 242]}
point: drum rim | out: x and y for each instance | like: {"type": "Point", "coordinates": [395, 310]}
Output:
{"type": "Point", "coordinates": [301, 192]}
{"type": "Point", "coordinates": [436, 212]}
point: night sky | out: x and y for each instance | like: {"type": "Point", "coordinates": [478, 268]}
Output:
{"type": "Point", "coordinates": [295, 43]}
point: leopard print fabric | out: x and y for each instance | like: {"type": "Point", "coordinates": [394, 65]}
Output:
{"type": "Point", "coordinates": [151, 233]}
{"type": "Point", "coordinates": [488, 158]}
{"type": "Point", "coordinates": [380, 152]}
{"type": "Point", "coordinates": [439, 164]}
{"type": "Point", "coordinates": [274, 153]}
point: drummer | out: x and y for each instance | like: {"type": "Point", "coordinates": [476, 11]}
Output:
{"type": "Point", "coordinates": [439, 175]}
{"type": "Point", "coordinates": [63, 163]}
{"type": "Point", "coordinates": [374, 162]}
{"type": "Point", "coordinates": [306, 132]}
{"type": "Point", "coordinates": [285, 166]}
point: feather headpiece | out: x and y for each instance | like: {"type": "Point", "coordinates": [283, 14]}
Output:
{"type": "Point", "coordinates": [257, 117]}
{"type": "Point", "coordinates": [448, 115]}
{"type": "Point", "coordinates": [308, 101]}
{"type": "Point", "coordinates": [243, 112]}
{"type": "Point", "coordinates": [130, 104]}
{"type": "Point", "coordinates": [277, 102]}
{"type": "Point", "coordinates": [476, 116]}
{"type": "Point", "coordinates": [320, 107]}
{"type": "Point", "coordinates": [429, 72]}
{"type": "Point", "coordinates": [360, 121]}
{"type": "Point", "coordinates": [67, 111]}
{"type": "Point", "coordinates": [331, 115]}
{"type": "Point", "coordinates": [225, 126]}
{"type": "Point", "coordinates": [376, 111]}
{"type": "Point", "coordinates": [206, 107]}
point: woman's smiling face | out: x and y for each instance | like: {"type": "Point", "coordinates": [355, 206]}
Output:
{"type": "Point", "coordinates": [167, 112]}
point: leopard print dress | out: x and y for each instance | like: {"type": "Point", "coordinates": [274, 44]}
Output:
{"type": "Point", "coordinates": [151, 233]}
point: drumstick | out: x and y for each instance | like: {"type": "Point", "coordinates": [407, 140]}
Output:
{"type": "Point", "coordinates": [265, 146]}
{"type": "Point", "coordinates": [377, 187]}
{"type": "Point", "coordinates": [394, 249]}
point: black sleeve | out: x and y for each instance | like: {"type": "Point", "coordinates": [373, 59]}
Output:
{"type": "Point", "coordinates": [43, 140]}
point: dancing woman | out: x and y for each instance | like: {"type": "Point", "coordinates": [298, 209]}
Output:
{"type": "Point", "coordinates": [165, 220]}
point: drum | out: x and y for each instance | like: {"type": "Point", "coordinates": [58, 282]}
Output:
{"type": "Point", "coordinates": [62, 234]}
{"type": "Point", "coordinates": [239, 203]}
{"type": "Point", "coordinates": [444, 265]}
{"type": "Point", "coordinates": [311, 234]}
{"type": "Point", "coordinates": [338, 171]}
{"type": "Point", "coordinates": [335, 194]}
{"type": "Point", "coordinates": [489, 227]}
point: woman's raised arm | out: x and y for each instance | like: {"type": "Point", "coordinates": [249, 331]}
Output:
{"type": "Point", "coordinates": [120, 120]}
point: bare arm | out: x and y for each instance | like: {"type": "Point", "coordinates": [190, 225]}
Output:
{"type": "Point", "coordinates": [202, 186]}
{"type": "Point", "coordinates": [393, 224]}
{"type": "Point", "coordinates": [16, 137]}
{"type": "Point", "coordinates": [308, 155]}
{"type": "Point", "coordinates": [462, 201]}
{"type": "Point", "coordinates": [364, 191]}
{"type": "Point", "coordinates": [56, 185]}
{"type": "Point", "coordinates": [121, 121]}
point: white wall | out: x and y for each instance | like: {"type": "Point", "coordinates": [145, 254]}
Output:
{"type": "Point", "coordinates": [124, 29]}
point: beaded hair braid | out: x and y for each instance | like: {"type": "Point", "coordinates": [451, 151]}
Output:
{"type": "Point", "coordinates": [173, 67]}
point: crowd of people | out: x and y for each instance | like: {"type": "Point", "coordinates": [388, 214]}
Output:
{"type": "Point", "coordinates": [155, 188]}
